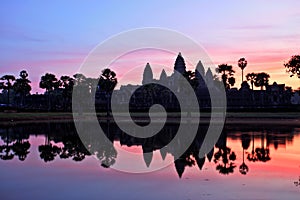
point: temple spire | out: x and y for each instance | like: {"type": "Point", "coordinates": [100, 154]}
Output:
{"type": "Point", "coordinates": [209, 78]}
{"type": "Point", "coordinates": [163, 76]}
{"type": "Point", "coordinates": [179, 65]}
{"type": "Point", "coordinates": [200, 70]}
{"type": "Point", "coordinates": [200, 74]}
{"type": "Point", "coordinates": [148, 74]}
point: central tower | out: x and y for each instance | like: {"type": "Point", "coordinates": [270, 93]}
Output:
{"type": "Point", "coordinates": [179, 65]}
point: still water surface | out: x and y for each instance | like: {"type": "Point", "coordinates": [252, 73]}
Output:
{"type": "Point", "coordinates": [48, 161]}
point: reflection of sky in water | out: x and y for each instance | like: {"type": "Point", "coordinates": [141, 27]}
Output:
{"type": "Point", "coordinates": [67, 179]}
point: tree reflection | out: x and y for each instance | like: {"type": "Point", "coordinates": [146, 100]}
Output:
{"type": "Point", "coordinates": [48, 151]}
{"type": "Point", "coordinates": [73, 148]}
{"type": "Point", "coordinates": [62, 141]}
{"type": "Point", "coordinates": [297, 183]}
{"type": "Point", "coordinates": [252, 157]}
{"type": "Point", "coordinates": [224, 157]}
{"type": "Point", "coordinates": [6, 149]}
{"type": "Point", "coordinates": [103, 148]}
{"type": "Point", "coordinates": [263, 154]}
{"type": "Point", "coordinates": [107, 156]}
{"type": "Point", "coordinates": [189, 159]}
{"type": "Point", "coordinates": [182, 162]}
{"type": "Point", "coordinates": [245, 144]}
{"type": "Point", "coordinates": [21, 149]}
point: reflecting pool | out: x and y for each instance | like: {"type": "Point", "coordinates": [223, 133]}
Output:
{"type": "Point", "coordinates": [49, 161]}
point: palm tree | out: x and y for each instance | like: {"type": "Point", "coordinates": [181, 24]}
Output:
{"type": "Point", "coordinates": [261, 80]}
{"type": "Point", "coordinates": [251, 77]}
{"type": "Point", "coordinates": [81, 89]}
{"type": "Point", "coordinates": [22, 86]}
{"type": "Point", "coordinates": [231, 81]}
{"type": "Point", "coordinates": [67, 84]}
{"type": "Point", "coordinates": [191, 78]}
{"type": "Point", "coordinates": [293, 66]}
{"type": "Point", "coordinates": [242, 63]}
{"type": "Point", "coordinates": [8, 85]}
{"type": "Point", "coordinates": [107, 83]}
{"type": "Point", "coordinates": [226, 72]}
{"type": "Point", "coordinates": [49, 82]}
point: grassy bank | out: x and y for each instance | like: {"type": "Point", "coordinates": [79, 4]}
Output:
{"type": "Point", "coordinates": [42, 116]}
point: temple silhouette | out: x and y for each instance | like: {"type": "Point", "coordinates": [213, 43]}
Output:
{"type": "Point", "coordinates": [61, 141]}
{"type": "Point", "coordinates": [59, 96]}
{"type": "Point", "coordinates": [275, 96]}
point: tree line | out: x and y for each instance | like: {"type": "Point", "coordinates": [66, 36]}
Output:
{"type": "Point", "coordinates": [108, 80]}
{"type": "Point", "coordinates": [21, 86]}
{"type": "Point", "coordinates": [260, 79]}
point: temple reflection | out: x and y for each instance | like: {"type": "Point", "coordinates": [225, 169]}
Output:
{"type": "Point", "coordinates": [62, 142]}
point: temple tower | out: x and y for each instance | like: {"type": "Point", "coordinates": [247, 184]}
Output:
{"type": "Point", "coordinates": [179, 65]}
{"type": "Point", "coordinates": [148, 75]}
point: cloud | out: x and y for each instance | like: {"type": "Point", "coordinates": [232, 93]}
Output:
{"type": "Point", "coordinates": [19, 35]}
{"type": "Point", "coordinates": [251, 27]}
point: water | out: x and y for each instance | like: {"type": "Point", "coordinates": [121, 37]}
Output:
{"type": "Point", "coordinates": [48, 161]}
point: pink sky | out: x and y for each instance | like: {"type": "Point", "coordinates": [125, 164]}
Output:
{"type": "Point", "coordinates": [54, 37]}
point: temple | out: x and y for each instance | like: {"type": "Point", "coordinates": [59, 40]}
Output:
{"type": "Point", "coordinates": [275, 95]}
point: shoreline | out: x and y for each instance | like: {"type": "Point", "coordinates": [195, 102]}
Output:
{"type": "Point", "coordinates": [246, 118]}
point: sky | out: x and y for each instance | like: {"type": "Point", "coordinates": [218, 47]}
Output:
{"type": "Point", "coordinates": [56, 36]}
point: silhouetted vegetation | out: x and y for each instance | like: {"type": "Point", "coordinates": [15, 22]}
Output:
{"type": "Point", "coordinates": [242, 63]}
{"type": "Point", "coordinates": [7, 85]}
{"type": "Point", "coordinates": [58, 92]}
{"type": "Point", "coordinates": [251, 77]}
{"type": "Point", "coordinates": [293, 66]}
{"type": "Point", "coordinates": [227, 73]}
{"type": "Point", "coordinates": [261, 80]}
{"type": "Point", "coordinates": [62, 142]}
{"type": "Point", "coordinates": [22, 87]}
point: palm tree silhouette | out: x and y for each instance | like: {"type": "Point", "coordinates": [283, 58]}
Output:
{"type": "Point", "coordinates": [67, 84]}
{"type": "Point", "coordinates": [293, 66]}
{"type": "Point", "coordinates": [22, 86]}
{"type": "Point", "coordinates": [251, 77]}
{"type": "Point", "coordinates": [8, 85]}
{"type": "Point", "coordinates": [242, 63]}
{"type": "Point", "coordinates": [261, 80]}
{"type": "Point", "coordinates": [107, 83]}
{"type": "Point", "coordinates": [49, 82]}
{"type": "Point", "coordinates": [226, 72]}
